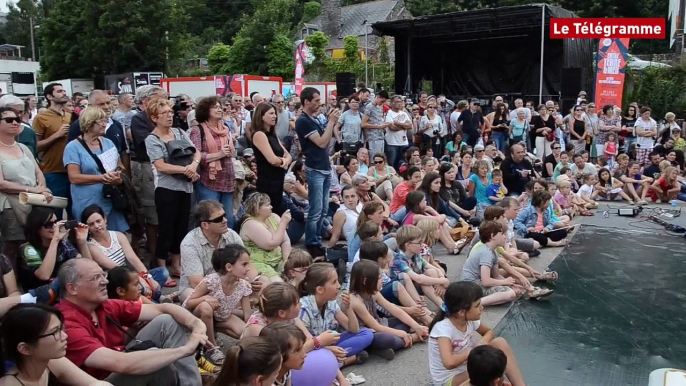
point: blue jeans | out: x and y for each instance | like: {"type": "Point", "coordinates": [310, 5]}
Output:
{"type": "Point", "coordinates": [295, 231]}
{"type": "Point", "coordinates": [354, 343]}
{"type": "Point", "coordinates": [399, 215]}
{"type": "Point", "coordinates": [500, 140]}
{"type": "Point", "coordinates": [226, 199]}
{"type": "Point", "coordinates": [394, 154]}
{"type": "Point", "coordinates": [318, 197]}
{"type": "Point", "coordinates": [160, 275]}
{"type": "Point", "coordinates": [59, 185]}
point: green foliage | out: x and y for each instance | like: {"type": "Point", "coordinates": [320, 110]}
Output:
{"type": "Point", "coordinates": [319, 70]}
{"type": "Point", "coordinates": [218, 57]}
{"type": "Point", "coordinates": [661, 88]}
{"type": "Point", "coordinates": [281, 55]}
{"type": "Point", "coordinates": [311, 9]}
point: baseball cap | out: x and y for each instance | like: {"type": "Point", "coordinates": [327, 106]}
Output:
{"type": "Point", "coordinates": [476, 101]}
{"type": "Point", "coordinates": [478, 147]}
{"type": "Point", "coordinates": [248, 152]}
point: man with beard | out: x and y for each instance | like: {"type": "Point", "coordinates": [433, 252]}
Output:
{"type": "Point", "coordinates": [97, 335]}
{"type": "Point", "coordinates": [52, 126]}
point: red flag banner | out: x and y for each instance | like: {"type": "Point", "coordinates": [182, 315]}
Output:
{"type": "Point", "coordinates": [299, 67]}
{"type": "Point", "coordinates": [610, 71]}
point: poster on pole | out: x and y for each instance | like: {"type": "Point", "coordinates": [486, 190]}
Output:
{"type": "Point", "coordinates": [299, 66]}
{"type": "Point", "coordinates": [610, 71]}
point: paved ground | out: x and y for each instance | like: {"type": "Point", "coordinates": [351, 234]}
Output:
{"type": "Point", "coordinates": [410, 367]}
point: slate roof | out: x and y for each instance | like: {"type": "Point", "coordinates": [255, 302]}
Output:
{"type": "Point", "coordinates": [352, 17]}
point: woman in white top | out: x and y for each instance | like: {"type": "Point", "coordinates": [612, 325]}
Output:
{"type": "Point", "coordinates": [112, 249]}
{"type": "Point", "coordinates": [352, 167]}
{"type": "Point", "coordinates": [345, 219]}
{"type": "Point", "coordinates": [432, 128]}
{"type": "Point", "coordinates": [646, 131]}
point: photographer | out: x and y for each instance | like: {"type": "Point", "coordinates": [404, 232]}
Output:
{"type": "Point", "coordinates": [181, 110]}
{"type": "Point", "coordinates": [431, 126]}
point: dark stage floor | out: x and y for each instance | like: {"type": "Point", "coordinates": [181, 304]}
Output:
{"type": "Point", "coordinates": [618, 312]}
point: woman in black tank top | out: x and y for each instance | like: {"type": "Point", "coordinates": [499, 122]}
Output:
{"type": "Point", "coordinates": [40, 329]}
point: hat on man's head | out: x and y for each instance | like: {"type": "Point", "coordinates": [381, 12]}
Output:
{"type": "Point", "coordinates": [582, 93]}
{"type": "Point", "coordinates": [248, 152]}
{"type": "Point", "coordinates": [476, 101]}
{"type": "Point", "coordinates": [478, 147]}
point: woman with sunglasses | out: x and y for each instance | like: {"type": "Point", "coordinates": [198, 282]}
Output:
{"type": "Point", "coordinates": [432, 128]}
{"type": "Point", "coordinates": [19, 173]}
{"type": "Point", "coordinates": [543, 131]}
{"type": "Point", "coordinates": [48, 247]}
{"type": "Point", "coordinates": [578, 129]}
{"type": "Point", "coordinates": [35, 342]}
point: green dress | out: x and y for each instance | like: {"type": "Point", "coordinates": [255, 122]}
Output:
{"type": "Point", "coordinates": [267, 263]}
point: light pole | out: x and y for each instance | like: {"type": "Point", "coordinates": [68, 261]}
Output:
{"type": "Point", "coordinates": [33, 42]}
{"type": "Point", "coordinates": [366, 53]}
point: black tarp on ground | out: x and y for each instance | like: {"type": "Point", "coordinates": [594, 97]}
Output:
{"type": "Point", "coordinates": [618, 312]}
{"type": "Point", "coordinates": [484, 52]}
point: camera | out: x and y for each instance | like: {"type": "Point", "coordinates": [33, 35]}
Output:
{"type": "Point", "coordinates": [435, 131]}
{"type": "Point", "coordinates": [69, 225]}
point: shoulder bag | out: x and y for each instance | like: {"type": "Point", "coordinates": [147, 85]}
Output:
{"type": "Point", "coordinates": [112, 192]}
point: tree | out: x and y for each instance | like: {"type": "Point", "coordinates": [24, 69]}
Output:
{"type": "Point", "coordinates": [17, 30]}
{"type": "Point", "coordinates": [218, 57]}
{"type": "Point", "coordinates": [311, 9]}
{"type": "Point", "coordinates": [281, 55]}
{"type": "Point", "coordinates": [319, 69]}
{"type": "Point", "coordinates": [92, 39]}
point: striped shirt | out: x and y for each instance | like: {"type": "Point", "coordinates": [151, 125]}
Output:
{"type": "Point", "coordinates": [114, 252]}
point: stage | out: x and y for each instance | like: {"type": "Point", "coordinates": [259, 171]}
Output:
{"type": "Point", "coordinates": [618, 311]}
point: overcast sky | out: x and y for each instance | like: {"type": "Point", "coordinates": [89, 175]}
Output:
{"type": "Point", "coordinates": [3, 5]}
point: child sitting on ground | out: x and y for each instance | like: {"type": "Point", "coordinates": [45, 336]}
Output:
{"type": "Point", "coordinates": [486, 367]}
{"type": "Point", "coordinates": [280, 302]}
{"type": "Point", "coordinates": [452, 337]}
{"type": "Point", "coordinates": [220, 293]}
{"type": "Point", "coordinates": [587, 191]}
{"type": "Point", "coordinates": [569, 201]}
{"type": "Point", "coordinates": [123, 283]}
{"type": "Point", "coordinates": [666, 187]}
{"type": "Point", "coordinates": [417, 210]}
{"type": "Point", "coordinates": [297, 264]}
{"type": "Point", "coordinates": [430, 233]}
{"type": "Point", "coordinates": [564, 163]}
{"type": "Point", "coordinates": [252, 361]}
{"type": "Point", "coordinates": [390, 334]}
{"type": "Point", "coordinates": [609, 188]}
{"type": "Point", "coordinates": [427, 279]}
{"type": "Point", "coordinates": [496, 190]}
{"type": "Point", "coordinates": [291, 342]}
{"type": "Point", "coordinates": [401, 293]}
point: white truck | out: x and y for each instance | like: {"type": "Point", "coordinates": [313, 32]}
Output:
{"type": "Point", "coordinates": [83, 86]}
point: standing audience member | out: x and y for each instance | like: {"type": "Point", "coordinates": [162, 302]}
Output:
{"type": "Point", "coordinates": [315, 141]}
{"type": "Point", "coordinates": [215, 144]}
{"type": "Point", "coordinates": [173, 181]}
{"type": "Point", "coordinates": [373, 123]}
{"type": "Point", "coordinates": [52, 126]}
{"type": "Point", "coordinates": [97, 337]}
{"type": "Point", "coordinates": [26, 136]}
{"type": "Point", "coordinates": [271, 156]}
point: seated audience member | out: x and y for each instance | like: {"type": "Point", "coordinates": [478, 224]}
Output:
{"type": "Point", "coordinates": [413, 177]}
{"type": "Point", "coordinates": [280, 302]}
{"type": "Point", "coordinates": [296, 228]}
{"type": "Point", "coordinates": [666, 188]}
{"type": "Point", "coordinates": [199, 244]}
{"type": "Point", "coordinates": [486, 366]}
{"type": "Point", "coordinates": [390, 334]}
{"type": "Point", "coordinates": [97, 339]}
{"type": "Point", "coordinates": [345, 219]}
{"type": "Point", "coordinates": [47, 247]}
{"type": "Point", "coordinates": [295, 268]}
{"type": "Point", "coordinates": [587, 192]}
{"type": "Point", "coordinates": [221, 293]}
{"type": "Point", "coordinates": [636, 185]}
{"type": "Point", "coordinates": [112, 249]}
{"type": "Point", "coordinates": [291, 341]}
{"type": "Point", "coordinates": [417, 209]}
{"type": "Point", "coordinates": [123, 284]}
{"type": "Point", "coordinates": [512, 208]}
{"type": "Point", "coordinates": [264, 236]}
{"type": "Point", "coordinates": [610, 188]}
{"type": "Point", "coordinates": [534, 222]}
{"type": "Point", "coordinates": [320, 313]}
{"type": "Point", "coordinates": [34, 340]}
{"type": "Point", "coordinates": [252, 361]}
{"type": "Point", "coordinates": [452, 337]}
{"type": "Point", "coordinates": [374, 212]}
{"type": "Point", "coordinates": [427, 279]}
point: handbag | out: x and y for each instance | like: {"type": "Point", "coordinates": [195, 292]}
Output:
{"type": "Point", "coordinates": [352, 148]}
{"type": "Point", "coordinates": [112, 192]}
{"type": "Point", "coordinates": [180, 152]}
{"type": "Point", "coordinates": [141, 345]}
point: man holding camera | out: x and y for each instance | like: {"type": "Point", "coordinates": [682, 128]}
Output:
{"type": "Point", "coordinates": [374, 125]}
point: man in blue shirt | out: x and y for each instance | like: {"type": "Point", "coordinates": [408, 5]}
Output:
{"type": "Point", "coordinates": [314, 141]}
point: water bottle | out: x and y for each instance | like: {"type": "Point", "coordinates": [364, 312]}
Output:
{"type": "Point", "coordinates": [674, 203]}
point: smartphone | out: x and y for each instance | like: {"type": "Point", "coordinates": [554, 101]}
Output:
{"type": "Point", "coordinates": [69, 225]}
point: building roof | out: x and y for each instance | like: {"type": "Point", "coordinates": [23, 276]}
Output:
{"type": "Point", "coordinates": [353, 17]}
{"type": "Point", "coordinates": [9, 47]}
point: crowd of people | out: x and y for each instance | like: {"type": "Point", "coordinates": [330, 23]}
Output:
{"type": "Point", "coordinates": [221, 191]}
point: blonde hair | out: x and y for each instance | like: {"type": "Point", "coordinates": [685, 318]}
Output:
{"type": "Point", "coordinates": [561, 184]}
{"type": "Point", "coordinates": [407, 234]}
{"type": "Point", "coordinates": [428, 227]}
{"type": "Point", "coordinates": [89, 116]}
{"type": "Point", "coordinates": [669, 115]}
{"type": "Point", "coordinates": [255, 202]}
{"type": "Point", "coordinates": [664, 167]}
{"type": "Point", "coordinates": [155, 105]}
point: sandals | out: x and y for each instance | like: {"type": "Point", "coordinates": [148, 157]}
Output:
{"type": "Point", "coordinates": [170, 283]}
{"type": "Point", "coordinates": [538, 293]}
{"type": "Point", "coordinates": [170, 298]}
{"type": "Point", "coordinates": [587, 213]}
{"type": "Point", "coordinates": [548, 276]}
{"type": "Point", "coordinates": [459, 246]}
{"type": "Point", "coordinates": [642, 203]}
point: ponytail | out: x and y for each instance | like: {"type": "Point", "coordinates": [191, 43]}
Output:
{"type": "Point", "coordinates": [316, 276]}
{"type": "Point", "coordinates": [459, 296]}
{"type": "Point", "coordinates": [251, 357]}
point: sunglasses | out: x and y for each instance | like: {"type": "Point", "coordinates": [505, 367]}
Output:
{"type": "Point", "coordinates": [557, 148]}
{"type": "Point", "coordinates": [49, 224]}
{"type": "Point", "coordinates": [11, 120]}
{"type": "Point", "coordinates": [219, 219]}
{"type": "Point", "coordinates": [378, 162]}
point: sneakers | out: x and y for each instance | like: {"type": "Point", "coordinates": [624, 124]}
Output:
{"type": "Point", "coordinates": [204, 365]}
{"type": "Point", "coordinates": [46, 294]}
{"type": "Point", "coordinates": [215, 355]}
{"type": "Point", "coordinates": [387, 354]}
{"type": "Point", "coordinates": [316, 251]}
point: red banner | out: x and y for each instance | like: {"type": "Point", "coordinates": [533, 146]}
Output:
{"type": "Point", "coordinates": [610, 71]}
{"type": "Point", "coordinates": [299, 67]}
{"type": "Point", "coordinates": [620, 28]}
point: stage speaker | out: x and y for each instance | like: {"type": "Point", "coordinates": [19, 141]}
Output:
{"type": "Point", "coordinates": [345, 84]}
{"type": "Point", "coordinates": [570, 84]}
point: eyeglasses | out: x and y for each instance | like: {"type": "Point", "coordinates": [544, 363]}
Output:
{"type": "Point", "coordinates": [218, 219]}
{"type": "Point", "coordinates": [11, 120]}
{"type": "Point", "coordinates": [479, 151]}
{"type": "Point", "coordinates": [57, 334]}
{"type": "Point", "coordinates": [97, 278]}
{"type": "Point", "coordinates": [578, 110]}
{"type": "Point", "coordinates": [49, 224]}
{"type": "Point", "coordinates": [557, 148]}
{"type": "Point", "coordinates": [379, 162]}
{"type": "Point", "coordinates": [301, 269]}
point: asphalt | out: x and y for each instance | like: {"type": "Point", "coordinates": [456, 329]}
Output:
{"type": "Point", "coordinates": [410, 367]}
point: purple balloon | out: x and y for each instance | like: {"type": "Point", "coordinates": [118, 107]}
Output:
{"type": "Point", "coordinates": [320, 369]}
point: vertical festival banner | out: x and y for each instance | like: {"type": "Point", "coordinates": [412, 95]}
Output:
{"type": "Point", "coordinates": [610, 71]}
{"type": "Point", "coordinates": [299, 66]}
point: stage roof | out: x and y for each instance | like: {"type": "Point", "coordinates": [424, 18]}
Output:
{"type": "Point", "coordinates": [466, 24]}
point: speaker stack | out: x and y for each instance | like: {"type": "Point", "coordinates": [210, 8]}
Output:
{"type": "Point", "coordinates": [345, 84]}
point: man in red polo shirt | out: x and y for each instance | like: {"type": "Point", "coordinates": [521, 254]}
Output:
{"type": "Point", "coordinates": [96, 340]}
